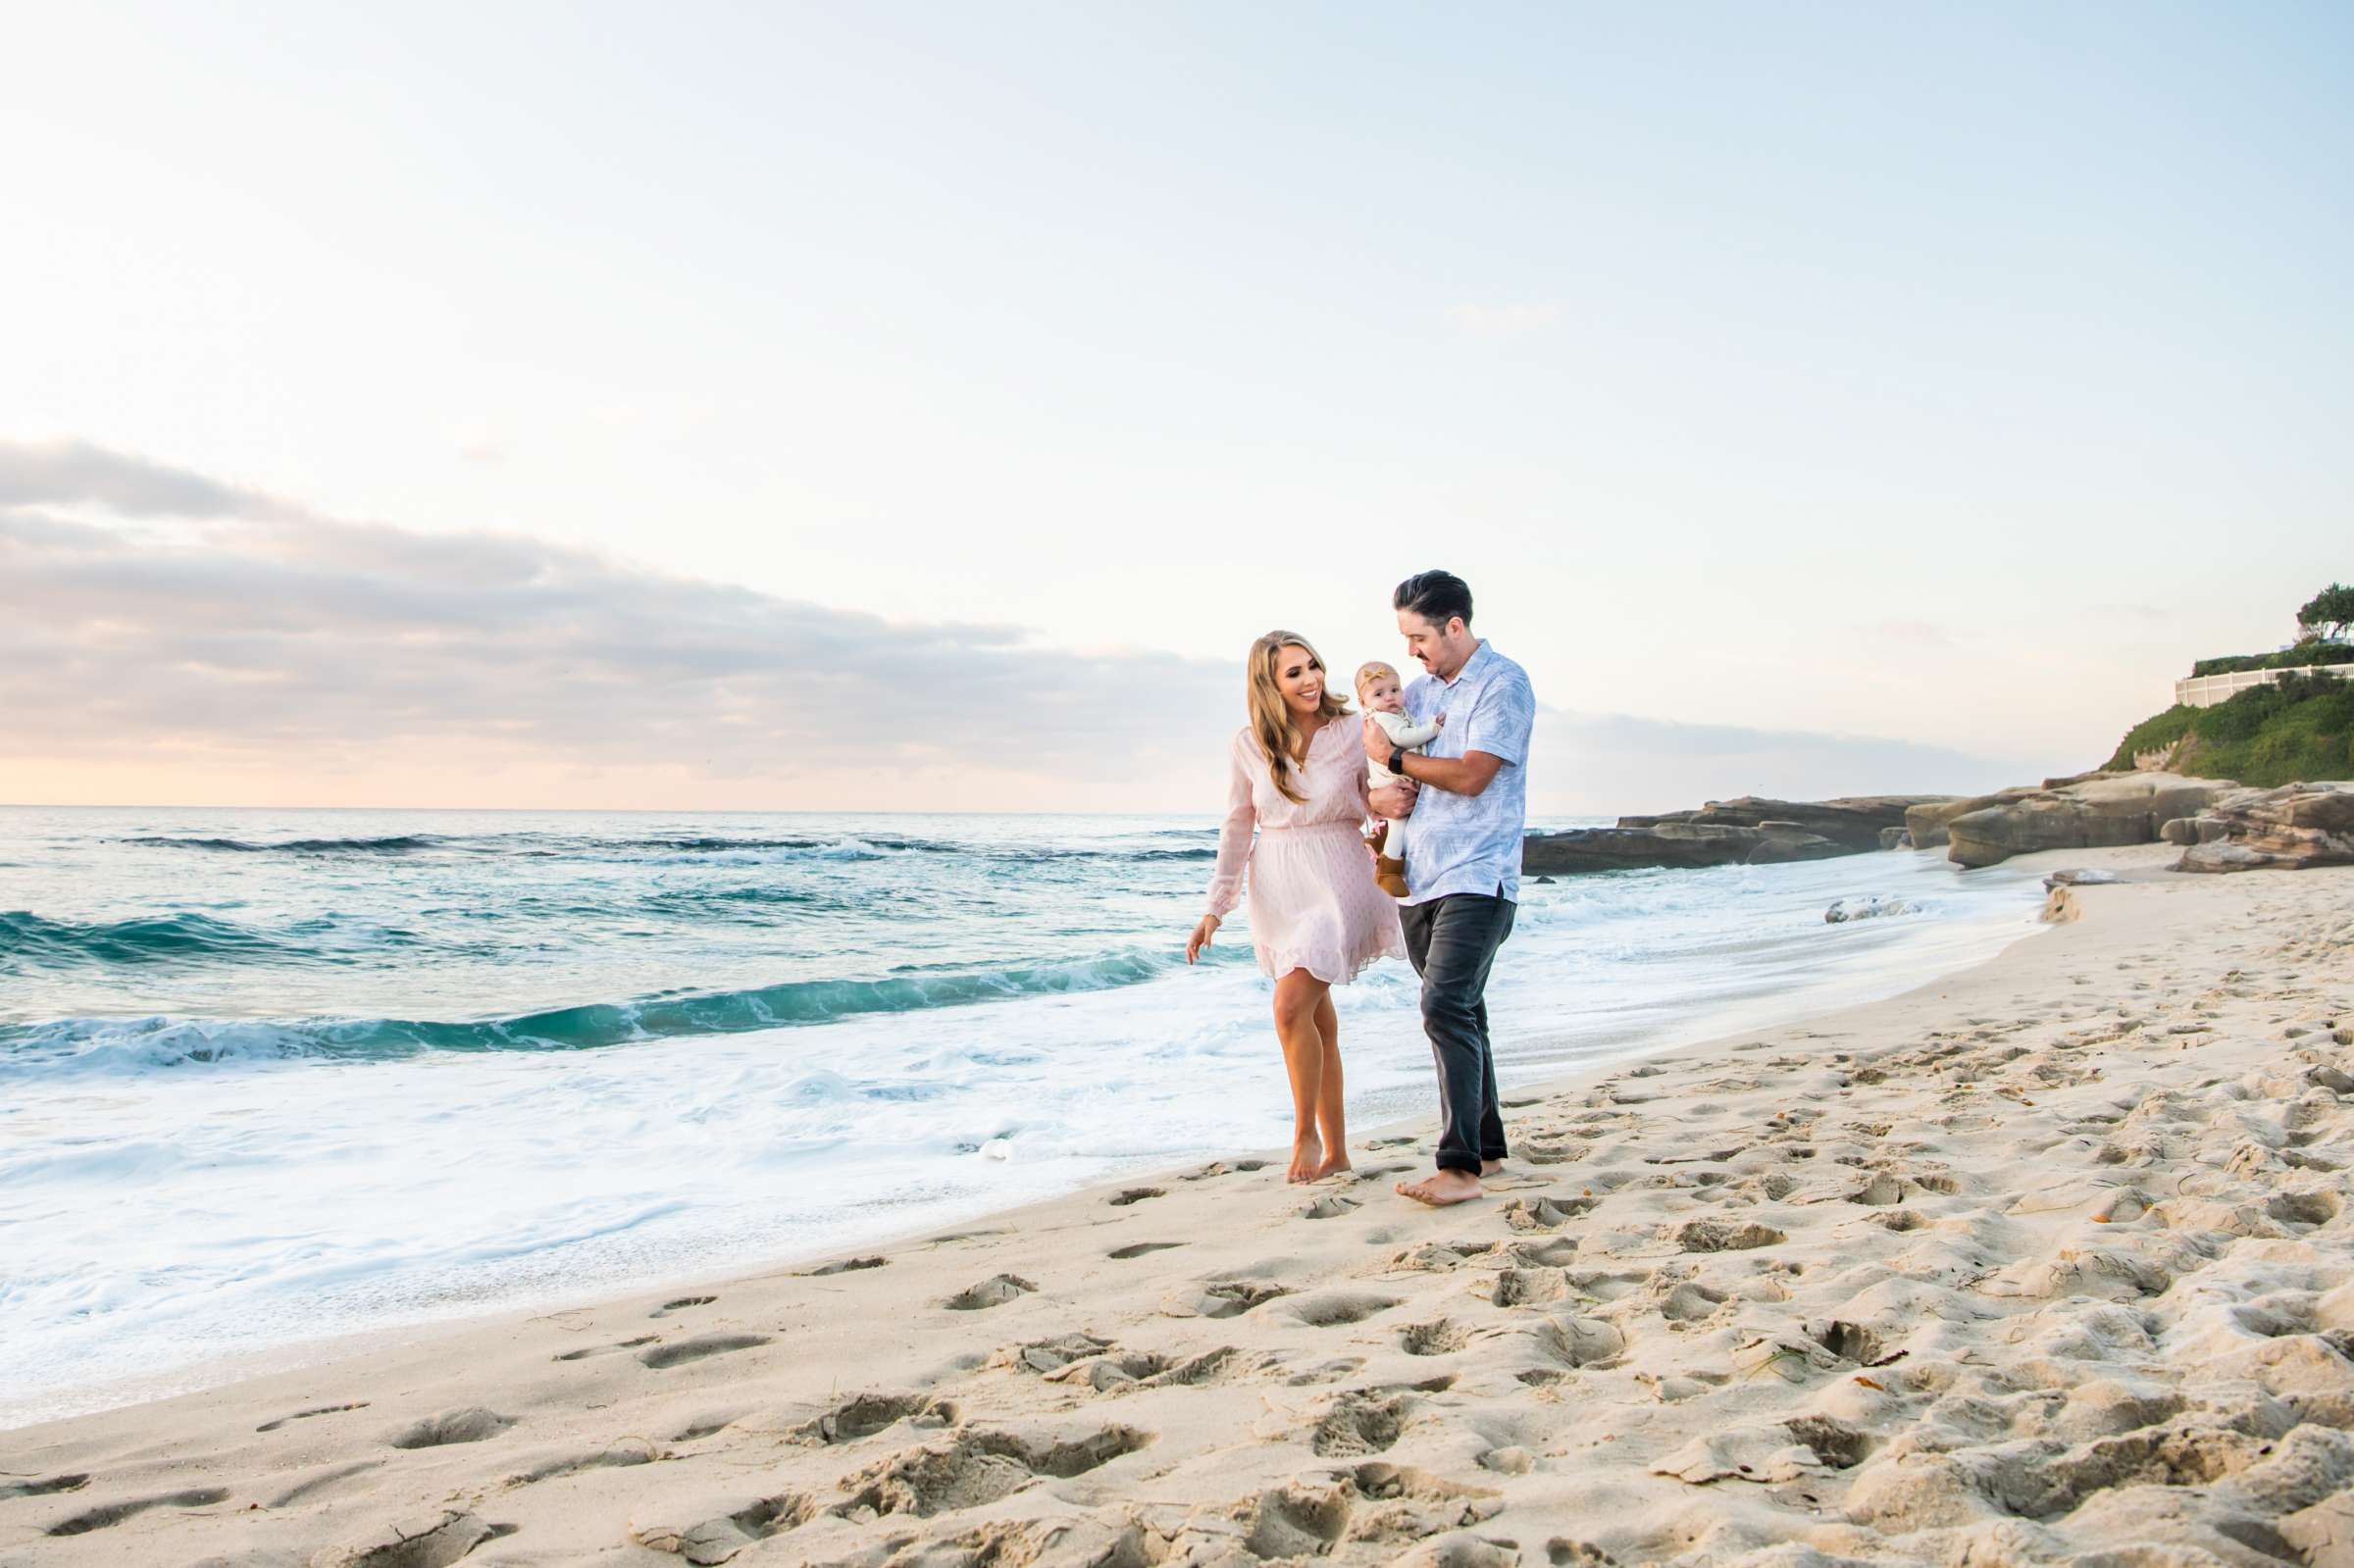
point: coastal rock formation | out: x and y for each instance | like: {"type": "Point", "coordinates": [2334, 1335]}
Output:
{"type": "Point", "coordinates": [1671, 844]}
{"type": "Point", "coordinates": [1854, 823]}
{"type": "Point", "coordinates": [2290, 828]}
{"type": "Point", "coordinates": [1925, 825]}
{"type": "Point", "coordinates": [1748, 832]}
{"type": "Point", "coordinates": [2095, 812]}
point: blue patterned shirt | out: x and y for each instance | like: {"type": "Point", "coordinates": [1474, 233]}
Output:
{"type": "Point", "coordinates": [1471, 843]}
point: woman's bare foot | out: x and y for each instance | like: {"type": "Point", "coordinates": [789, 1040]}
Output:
{"type": "Point", "coordinates": [1491, 1167]}
{"type": "Point", "coordinates": [1444, 1188]}
{"type": "Point", "coordinates": [1307, 1154]}
{"type": "Point", "coordinates": [1333, 1166]}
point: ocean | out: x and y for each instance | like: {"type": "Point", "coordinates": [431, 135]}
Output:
{"type": "Point", "coordinates": [272, 1077]}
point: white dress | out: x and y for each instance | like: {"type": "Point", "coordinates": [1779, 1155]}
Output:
{"type": "Point", "coordinates": [1313, 901]}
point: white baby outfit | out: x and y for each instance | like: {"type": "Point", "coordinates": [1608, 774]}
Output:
{"type": "Point", "coordinates": [1406, 736]}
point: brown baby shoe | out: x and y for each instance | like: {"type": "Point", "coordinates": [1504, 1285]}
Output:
{"type": "Point", "coordinates": [1389, 875]}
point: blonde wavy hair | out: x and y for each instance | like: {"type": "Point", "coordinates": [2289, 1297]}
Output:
{"type": "Point", "coordinates": [1280, 739]}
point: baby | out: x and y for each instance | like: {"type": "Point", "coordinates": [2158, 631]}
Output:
{"type": "Point", "coordinates": [1378, 689]}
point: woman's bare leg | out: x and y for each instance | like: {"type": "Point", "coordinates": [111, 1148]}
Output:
{"type": "Point", "coordinates": [1332, 1111]}
{"type": "Point", "coordinates": [1297, 999]}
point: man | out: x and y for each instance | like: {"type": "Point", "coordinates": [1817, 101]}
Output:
{"type": "Point", "coordinates": [1468, 795]}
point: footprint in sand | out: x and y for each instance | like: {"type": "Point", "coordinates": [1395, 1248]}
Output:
{"type": "Point", "coordinates": [976, 1468]}
{"type": "Point", "coordinates": [1337, 1309]}
{"type": "Point", "coordinates": [1330, 1208]}
{"type": "Point", "coordinates": [114, 1513]}
{"type": "Point", "coordinates": [588, 1351]}
{"type": "Point", "coordinates": [681, 1305]}
{"type": "Point", "coordinates": [866, 1414]}
{"type": "Point", "coordinates": [846, 1266]}
{"type": "Point", "coordinates": [1135, 1194]}
{"type": "Point", "coordinates": [994, 1292]}
{"type": "Point", "coordinates": [1137, 1250]}
{"type": "Point", "coordinates": [1721, 1235]}
{"type": "Point", "coordinates": [1358, 1424]}
{"type": "Point", "coordinates": [698, 1348]}
{"type": "Point", "coordinates": [299, 1415]}
{"type": "Point", "coordinates": [47, 1486]}
{"type": "Point", "coordinates": [1223, 1298]}
{"type": "Point", "coordinates": [1443, 1336]}
{"type": "Point", "coordinates": [627, 1452]}
{"type": "Point", "coordinates": [716, 1539]}
{"type": "Point", "coordinates": [1547, 1213]}
{"type": "Point", "coordinates": [1225, 1167]}
{"type": "Point", "coordinates": [470, 1425]}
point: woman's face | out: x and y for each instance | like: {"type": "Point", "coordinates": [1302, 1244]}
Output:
{"type": "Point", "coordinates": [1301, 680]}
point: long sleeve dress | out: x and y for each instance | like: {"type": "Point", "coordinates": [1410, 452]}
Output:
{"type": "Point", "coordinates": [1313, 902]}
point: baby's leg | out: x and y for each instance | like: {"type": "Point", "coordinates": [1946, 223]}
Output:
{"type": "Point", "coordinates": [1394, 846]}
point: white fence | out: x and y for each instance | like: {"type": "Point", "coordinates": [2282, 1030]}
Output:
{"type": "Point", "coordinates": [2206, 690]}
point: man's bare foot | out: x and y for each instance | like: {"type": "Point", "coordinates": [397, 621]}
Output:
{"type": "Point", "coordinates": [1333, 1166]}
{"type": "Point", "coordinates": [1307, 1154]}
{"type": "Point", "coordinates": [1491, 1167]}
{"type": "Point", "coordinates": [1444, 1188]}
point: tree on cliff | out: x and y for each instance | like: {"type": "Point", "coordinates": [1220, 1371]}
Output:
{"type": "Point", "coordinates": [2328, 613]}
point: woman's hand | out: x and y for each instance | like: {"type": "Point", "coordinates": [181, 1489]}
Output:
{"type": "Point", "coordinates": [1201, 938]}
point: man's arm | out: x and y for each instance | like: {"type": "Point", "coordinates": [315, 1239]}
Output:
{"type": "Point", "coordinates": [1467, 774]}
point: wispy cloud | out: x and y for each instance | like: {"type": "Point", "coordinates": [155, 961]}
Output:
{"type": "Point", "coordinates": [1504, 321]}
{"type": "Point", "coordinates": [257, 628]}
{"type": "Point", "coordinates": [252, 633]}
{"type": "Point", "coordinates": [65, 473]}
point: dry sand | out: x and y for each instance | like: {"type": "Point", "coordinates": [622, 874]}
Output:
{"type": "Point", "coordinates": [2046, 1262]}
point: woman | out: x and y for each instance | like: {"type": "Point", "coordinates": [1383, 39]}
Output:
{"type": "Point", "coordinates": [1316, 918]}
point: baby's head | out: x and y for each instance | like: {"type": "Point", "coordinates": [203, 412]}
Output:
{"type": "Point", "coordinates": [1378, 690]}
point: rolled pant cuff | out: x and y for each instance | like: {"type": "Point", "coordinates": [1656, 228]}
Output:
{"type": "Point", "coordinates": [1455, 1162]}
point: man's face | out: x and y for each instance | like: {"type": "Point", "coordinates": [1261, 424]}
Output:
{"type": "Point", "coordinates": [1439, 647]}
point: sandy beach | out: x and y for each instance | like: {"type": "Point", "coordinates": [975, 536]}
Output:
{"type": "Point", "coordinates": [2046, 1262]}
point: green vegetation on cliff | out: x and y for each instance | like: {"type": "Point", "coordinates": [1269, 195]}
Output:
{"type": "Point", "coordinates": [2300, 727]}
{"type": "Point", "coordinates": [2304, 653]}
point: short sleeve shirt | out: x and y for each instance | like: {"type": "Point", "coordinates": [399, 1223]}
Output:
{"type": "Point", "coordinates": [1471, 843]}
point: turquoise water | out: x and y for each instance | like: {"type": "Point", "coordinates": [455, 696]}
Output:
{"type": "Point", "coordinates": [266, 1076]}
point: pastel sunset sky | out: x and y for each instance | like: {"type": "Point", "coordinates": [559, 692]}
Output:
{"type": "Point", "coordinates": [923, 406]}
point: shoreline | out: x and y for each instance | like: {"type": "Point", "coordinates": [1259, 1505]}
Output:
{"type": "Point", "coordinates": [1548, 1038]}
{"type": "Point", "coordinates": [1658, 1227]}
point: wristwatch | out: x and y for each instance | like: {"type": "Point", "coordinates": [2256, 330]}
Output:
{"type": "Point", "coordinates": [1398, 761]}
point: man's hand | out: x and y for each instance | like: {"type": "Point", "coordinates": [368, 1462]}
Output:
{"type": "Point", "coordinates": [1440, 721]}
{"type": "Point", "coordinates": [1377, 743]}
{"type": "Point", "coordinates": [1397, 802]}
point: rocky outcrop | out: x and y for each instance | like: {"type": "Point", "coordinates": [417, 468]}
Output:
{"type": "Point", "coordinates": [1925, 824]}
{"type": "Point", "coordinates": [2286, 828]}
{"type": "Point", "coordinates": [1671, 845]}
{"type": "Point", "coordinates": [2091, 812]}
{"type": "Point", "coordinates": [1853, 822]}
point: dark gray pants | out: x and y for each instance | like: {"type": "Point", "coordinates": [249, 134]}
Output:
{"type": "Point", "coordinates": [1452, 943]}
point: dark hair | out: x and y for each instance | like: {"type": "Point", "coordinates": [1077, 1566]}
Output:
{"type": "Point", "coordinates": [1436, 596]}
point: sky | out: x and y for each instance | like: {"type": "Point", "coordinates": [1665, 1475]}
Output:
{"type": "Point", "coordinates": [923, 406]}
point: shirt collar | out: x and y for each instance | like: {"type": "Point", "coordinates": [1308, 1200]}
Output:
{"type": "Point", "coordinates": [1473, 665]}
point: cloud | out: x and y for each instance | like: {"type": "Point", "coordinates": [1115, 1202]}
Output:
{"type": "Point", "coordinates": [1504, 321]}
{"type": "Point", "coordinates": [68, 472]}
{"type": "Point", "coordinates": [254, 639]}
